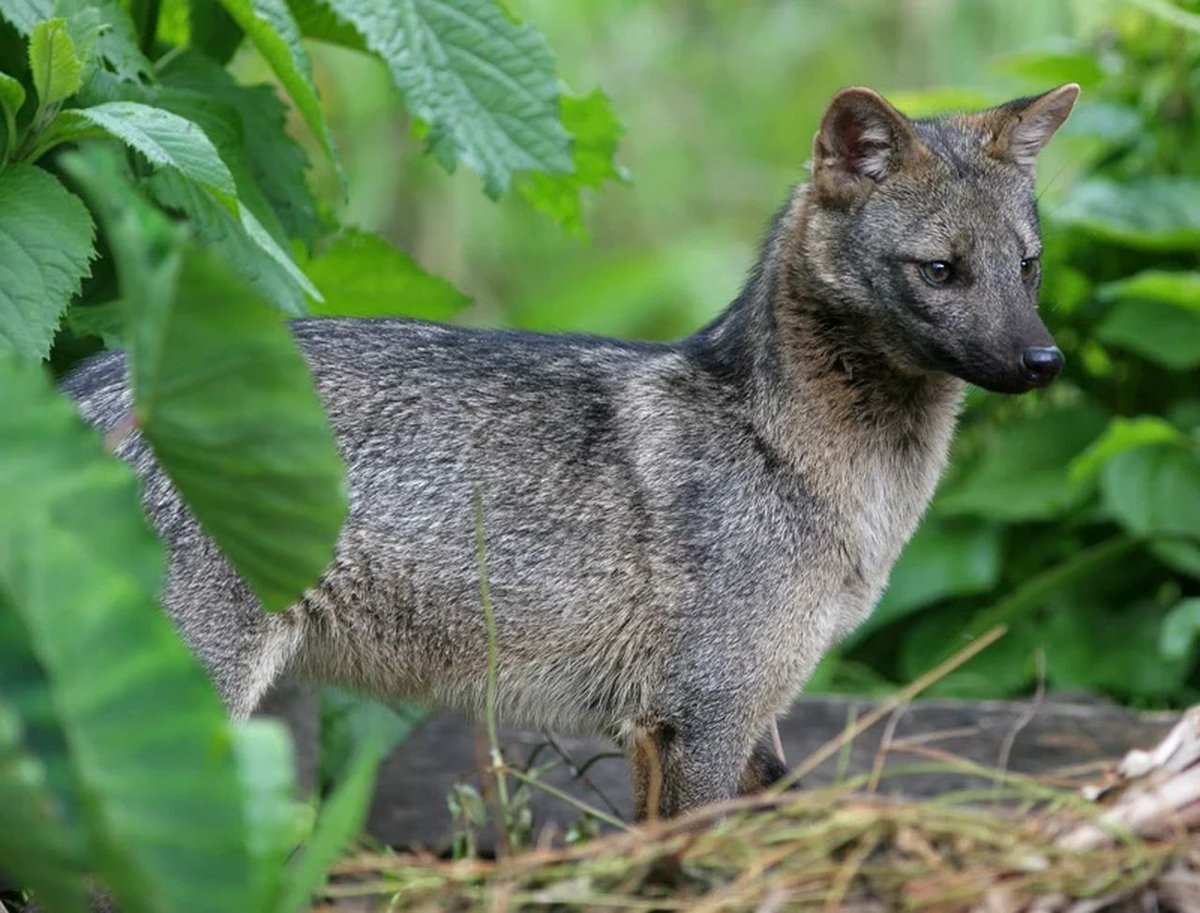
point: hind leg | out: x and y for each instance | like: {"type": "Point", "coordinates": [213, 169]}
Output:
{"type": "Point", "coordinates": [763, 769]}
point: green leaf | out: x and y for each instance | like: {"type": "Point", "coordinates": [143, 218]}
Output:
{"type": "Point", "coordinates": [35, 844]}
{"type": "Point", "coordinates": [270, 25]}
{"type": "Point", "coordinates": [1154, 490]}
{"type": "Point", "coordinates": [1092, 646]}
{"type": "Point", "coordinates": [116, 41]}
{"type": "Point", "coordinates": [165, 139]}
{"type": "Point", "coordinates": [45, 245]}
{"type": "Point", "coordinates": [12, 97]}
{"type": "Point", "coordinates": [1022, 473]}
{"type": "Point", "coordinates": [266, 764]}
{"type": "Point", "coordinates": [81, 570]}
{"type": "Point", "coordinates": [1121, 434]}
{"type": "Point", "coordinates": [1166, 334]}
{"type": "Point", "coordinates": [1149, 213]}
{"type": "Point", "coordinates": [200, 184]}
{"type": "Point", "coordinates": [105, 321]}
{"type": "Point", "coordinates": [226, 401]}
{"type": "Point", "coordinates": [361, 275]}
{"type": "Point", "coordinates": [1007, 667]}
{"type": "Point", "coordinates": [1157, 315]}
{"type": "Point", "coordinates": [213, 32]}
{"type": "Point", "coordinates": [945, 558]}
{"type": "Point", "coordinates": [1179, 556]}
{"type": "Point", "coordinates": [316, 20]}
{"type": "Point", "coordinates": [277, 164]}
{"type": "Point", "coordinates": [484, 84]}
{"type": "Point", "coordinates": [57, 71]}
{"type": "Point", "coordinates": [349, 721]}
{"type": "Point", "coordinates": [1069, 62]}
{"type": "Point", "coordinates": [1169, 287]}
{"type": "Point", "coordinates": [595, 132]}
{"type": "Point", "coordinates": [272, 273]}
{"type": "Point", "coordinates": [1179, 630]}
{"type": "Point", "coordinates": [340, 820]}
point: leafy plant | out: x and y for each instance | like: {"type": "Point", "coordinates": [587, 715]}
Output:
{"type": "Point", "coordinates": [1075, 517]}
{"type": "Point", "coordinates": [150, 200]}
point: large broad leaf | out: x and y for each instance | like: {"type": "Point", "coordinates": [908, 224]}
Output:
{"type": "Point", "coordinates": [57, 71]}
{"type": "Point", "coordinates": [45, 244]}
{"type": "Point", "coordinates": [595, 132]}
{"type": "Point", "coordinates": [484, 85]}
{"type": "Point", "coordinates": [276, 162]}
{"type": "Point", "coordinates": [1157, 315]}
{"type": "Point", "coordinates": [1150, 213]}
{"type": "Point", "coordinates": [226, 401]}
{"type": "Point", "coordinates": [1154, 490]}
{"type": "Point", "coordinates": [362, 275]}
{"type": "Point", "coordinates": [269, 24]}
{"type": "Point", "coordinates": [1022, 472]}
{"type": "Point", "coordinates": [149, 741]}
{"type": "Point", "coordinates": [116, 39]}
{"type": "Point", "coordinates": [945, 558]}
{"type": "Point", "coordinates": [1121, 434]}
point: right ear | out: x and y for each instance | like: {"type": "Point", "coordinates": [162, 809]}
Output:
{"type": "Point", "coordinates": [862, 140]}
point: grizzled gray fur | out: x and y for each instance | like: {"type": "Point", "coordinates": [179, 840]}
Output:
{"type": "Point", "coordinates": [676, 533]}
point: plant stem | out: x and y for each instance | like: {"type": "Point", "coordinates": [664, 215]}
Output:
{"type": "Point", "coordinates": [489, 617]}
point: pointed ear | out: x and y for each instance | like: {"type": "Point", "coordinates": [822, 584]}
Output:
{"type": "Point", "coordinates": [1018, 130]}
{"type": "Point", "coordinates": [862, 140]}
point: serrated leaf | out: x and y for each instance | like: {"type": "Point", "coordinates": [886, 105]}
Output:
{"type": "Point", "coordinates": [45, 244]}
{"type": "Point", "coordinates": [316, 20]}
{"type": "Point", "coordinates": [1148, 213]}
{"type": "Point", "coordinates": [165, 139]}
{"type": "Point", "coordinates": [595, 133]}
{"type": "Point", "coordinates": [199, 183]}
{"type": "Point", "coordinates": [81, 569]}
{"type": "Point", "coordinates": [1121, 434]}
{"type": "Point", "coordinates": [361, 275]}
{"type": "Point", "coordinates": [57, 71]}
{"type": "Point", "coordinates": [484, 84]}
{"type": "Point", "coordinates": [225, 233]}
{"type": "Point", "coordinates": [269, 24]}
{"type": "Point", "coordinates": [226, 401]}
{"type": "Point", "coordinates": [1022, 473]}
{"type": "Point", "coordinates": [1154, 490]}
{"type": "Point", "coordinates": [116, 42]}
{"type": "Point", "coordinates": [276, 162]}
{"type": "Point", "coordinates": [214, 33]}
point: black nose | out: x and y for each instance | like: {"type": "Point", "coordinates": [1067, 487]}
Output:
{"type": "Point", "coordinates": [1041, 364]}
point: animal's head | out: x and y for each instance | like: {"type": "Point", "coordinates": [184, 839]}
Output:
{"type": "Point", "coordinates": [928, 230]}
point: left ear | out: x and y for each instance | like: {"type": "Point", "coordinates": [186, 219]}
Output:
{"type": "Point", "coordinates": [1017, 131]}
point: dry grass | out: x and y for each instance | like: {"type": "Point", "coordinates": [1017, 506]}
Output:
{"type": "Point", "coordinates": [1129, 842]}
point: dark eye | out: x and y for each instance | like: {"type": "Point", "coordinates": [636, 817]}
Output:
{"type": "Point", "coordinates": [1029, 267]}
{"type": "Point", "coordinates": [936, 272]}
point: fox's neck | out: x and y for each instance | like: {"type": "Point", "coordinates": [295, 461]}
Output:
{"type": "Point", "coordinates": [815, 385]}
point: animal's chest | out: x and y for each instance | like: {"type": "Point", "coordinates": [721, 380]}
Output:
{"type": "Point", "coordinates": [884, 495]}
